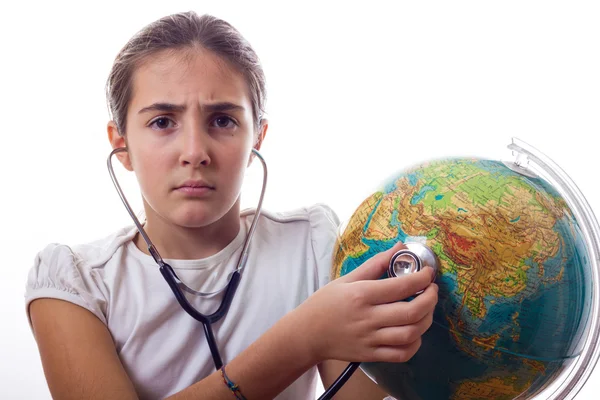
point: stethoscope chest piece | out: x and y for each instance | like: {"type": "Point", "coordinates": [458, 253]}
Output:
{"type": "Point", "coordinates": [414, 258]}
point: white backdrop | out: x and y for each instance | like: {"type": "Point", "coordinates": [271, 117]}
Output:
{"type": "Point", "coordinates": [356, 91]}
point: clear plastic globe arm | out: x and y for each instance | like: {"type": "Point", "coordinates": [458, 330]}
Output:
{"type": "Point", "coordinates": [531, 161]}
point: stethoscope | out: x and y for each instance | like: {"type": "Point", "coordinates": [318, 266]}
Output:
{"type": "Point", "coordinates": [415, 257]}
{"type": "Point", "coordinates": [177, 286]}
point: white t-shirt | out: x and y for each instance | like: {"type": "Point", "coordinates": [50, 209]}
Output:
{"type": "Point", "coordinates": [162, 348]}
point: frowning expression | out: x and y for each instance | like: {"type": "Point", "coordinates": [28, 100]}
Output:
{"type": "Point", "coordinates": [190, 133]}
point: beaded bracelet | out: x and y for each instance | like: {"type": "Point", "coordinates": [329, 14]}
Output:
{"type": "Point", "coordinates": [235, 389]}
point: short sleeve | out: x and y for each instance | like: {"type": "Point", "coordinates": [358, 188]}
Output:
{"type": "Point", "coordinates": [324, 225]}
{"type": "Point", "coordinates": [58, 273]}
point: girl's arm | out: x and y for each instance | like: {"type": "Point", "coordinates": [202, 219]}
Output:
{"type": "Point", "coordinates": [80, 360]}
{"type": "Point", "coordinates": [353, 318]}
{"type": "Point", "coordinates": [78, 354]}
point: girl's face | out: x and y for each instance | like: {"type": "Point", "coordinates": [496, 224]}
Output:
{"type": "Point", "coordinates": [190, 134]}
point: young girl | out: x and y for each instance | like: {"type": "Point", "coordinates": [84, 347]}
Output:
{"type": "Point", "coordinates": [187, 97]}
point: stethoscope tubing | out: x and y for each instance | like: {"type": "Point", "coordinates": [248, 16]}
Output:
{"type": "Point", "coordinates": [206, 320]}
{"type": "Point", "coordinates": [173, 280]}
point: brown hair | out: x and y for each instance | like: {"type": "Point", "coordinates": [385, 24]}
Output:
{"type": "Point", "coordinates": [178, 31]}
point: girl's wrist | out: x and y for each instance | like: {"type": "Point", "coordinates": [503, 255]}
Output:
{"type": "Point", "coordinates": [305, 334]}
{"type": "Point", "coordinates": [273, 362]}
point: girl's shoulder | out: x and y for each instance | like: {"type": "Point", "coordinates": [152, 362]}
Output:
{"type": "Point", "coordinates": [317, 217]}
{"type": "Point", "coordinates": [73, 273]}
{"type": "Point", "coordinates": [90, 255]}
{"type": "Point", "coordinates": [312, 229]}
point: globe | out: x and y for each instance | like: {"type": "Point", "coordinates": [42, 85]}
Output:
{"type": "Point", "coordinates": [517, 245]}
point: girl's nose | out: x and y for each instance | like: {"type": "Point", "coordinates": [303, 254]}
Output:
{"type": "Point", "coordinates": [195, 146]}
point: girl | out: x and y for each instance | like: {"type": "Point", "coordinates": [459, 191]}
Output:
{"type": "Point", "coordinates": [187, 95]}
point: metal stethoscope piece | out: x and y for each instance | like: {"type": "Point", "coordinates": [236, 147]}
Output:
{"type": "Point", "coordinates": [414, 258]}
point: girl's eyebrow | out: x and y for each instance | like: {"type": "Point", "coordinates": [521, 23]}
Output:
{"type": "Point", "coordinates": [163, 107]}
{"type": "Point", "coordinates": [214, 107]}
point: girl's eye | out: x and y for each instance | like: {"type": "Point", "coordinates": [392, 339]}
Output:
{"type": "Point", "coordinates": [224, 122]}
{"type": "Point", "coordinates": [161, 123]}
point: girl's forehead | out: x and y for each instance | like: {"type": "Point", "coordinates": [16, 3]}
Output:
{"type": "Point", "coordinates": [187, 75]}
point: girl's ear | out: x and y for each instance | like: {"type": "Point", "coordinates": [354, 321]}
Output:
{"type": "Point", "coordinates": [116, 141]}
{"type": "Point", "coordinates": [262, 132]}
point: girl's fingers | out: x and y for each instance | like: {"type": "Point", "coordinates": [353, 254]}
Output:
{"type": "Point", "coordinates": [395, 354]}
{"type": "Point", "coordinates": [374, 267]}
{"type": "Point", "coordinates": [406, 312]}
{"type": "Point", "coordinates": [402, 335]}
{"type": "Point", "coordinates": [394, 289]}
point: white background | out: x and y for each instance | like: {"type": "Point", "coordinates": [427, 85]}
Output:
{"type": "Point", "coordinates": [356, 92]}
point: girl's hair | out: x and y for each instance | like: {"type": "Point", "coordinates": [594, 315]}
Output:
{"type": "Point", "coordinates": [180, 31]}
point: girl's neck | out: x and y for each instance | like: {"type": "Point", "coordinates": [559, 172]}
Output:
{"type": "Point", "coordinates": [181, 243]}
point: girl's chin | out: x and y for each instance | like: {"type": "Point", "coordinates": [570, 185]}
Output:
{"type": "Point", "coordinates": [196, 219]}
{"type": "Point", "coordinates": [194, 222]}
{"type": "Point", "coordinates": [196, 215]}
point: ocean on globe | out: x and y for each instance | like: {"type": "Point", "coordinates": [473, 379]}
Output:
{"type": "Point", "coordinates": [514, 280]}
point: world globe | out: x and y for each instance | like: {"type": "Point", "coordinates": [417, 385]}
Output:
{"type": "Point", "coordinates": [517, 245]}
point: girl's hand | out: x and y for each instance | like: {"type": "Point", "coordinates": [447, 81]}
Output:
{"type": "Point", "coordinates": [360, 318]}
